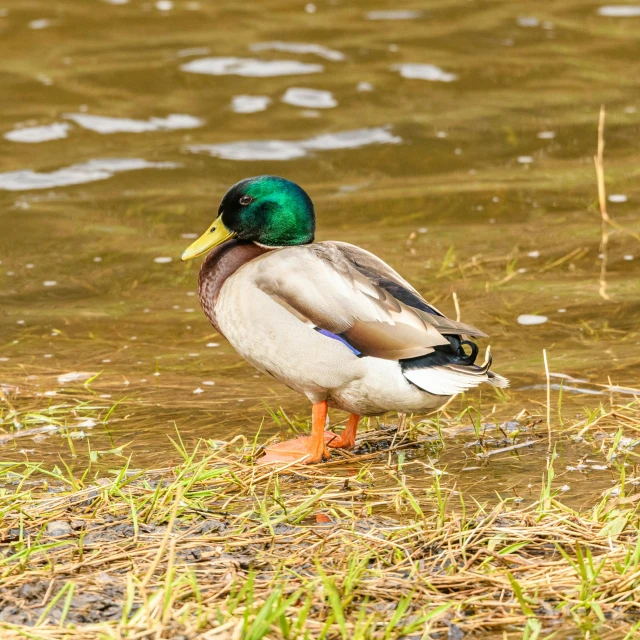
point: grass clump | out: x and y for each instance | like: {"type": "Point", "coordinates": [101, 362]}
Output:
{"type": "Point", "coordinates": [217, 547]}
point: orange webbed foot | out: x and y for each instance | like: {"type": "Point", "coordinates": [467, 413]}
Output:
{"type": "Point", "coordinates": [347, 439]}
{"type": "Point", "coordinates": [306, 449]}
{"type": "Point", "coordinates": [337, 441]}
{"type": "Point", "coordinates": [303, 450]}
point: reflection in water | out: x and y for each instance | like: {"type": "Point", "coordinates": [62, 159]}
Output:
{"type": "Point", "coordinates": [620, 11]}
{"type": "Point", "coordinates": [90, 171]}
{"type": "Point", "coordinates": [398, 14]}
{"type": "Point", "coordinates": [312, 98]}
{"type": "Point", "coordinates": [54, 131]}
{"type": "Point", "coordinates": [41, 23]}
{"type": "Point", "coordinates": [249, 67]}
{"type": "Point", "coordinates": [252, 150]}
{"type": "Point", "coordinates": [424, 72]}
{"type": "Point", "coordinates": [109, 124]}
{"type": "Point", "coordinates": [289, 149]}
{"type": "Point", "coordinates": [299, 48]}
{"type": "Point", "coordinates": [527, 21]}
{"type": "Point", "coordinates": [250, 104]}
{"type": "Point", "coordinates": [531, 319]}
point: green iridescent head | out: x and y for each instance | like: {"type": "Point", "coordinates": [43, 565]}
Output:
{"type": "Point", "coordinates": [268, 210]}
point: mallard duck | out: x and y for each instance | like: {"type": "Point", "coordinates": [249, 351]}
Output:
{"type": "Point", "coordinates": [328, 319]}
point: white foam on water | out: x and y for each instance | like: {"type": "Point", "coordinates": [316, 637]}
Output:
{"type": "Point", "coordinates": [109, 124]}
{"type": "Point", "coordinates": [249, 67]}
{"type": "Point", "coordinates": [291, 149]}
{"type": "Point", "coordinates": [299, 48]}
{"type": "Point", "coordinates": [617, 197]}
{"type": "Point", "coordinates": [43, 133]}
{"type": "Point", "coordinates": [364, 86]}
{"type": "Point", "coordinates": [49, 283]}
{"type": "Point", "coordinates": [430, 72]}
{"type": "Point", "coordinates": [397, 14]}
{"type": "Point", "coordinates": [250, 104]}
{"type": "Point", "coordinates": [546, 135]}
{"type": "Point", "coordinates": [525, 159]}
{"type": "Point", "coordinates": [117, 2]}
{"type": "Point", "coordinates": [99, 169]}
{"type": "Point", "coordinates": [163, 260]}
{"type": "Point", "coordinates": [530, 319]}
{"type": "Point", "coordinates": [620, 11]}
{"type": "Point", "coordinates": [311, 98]}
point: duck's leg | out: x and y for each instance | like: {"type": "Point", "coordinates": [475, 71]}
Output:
{"type": "Point", "coordinates": [347, 439]}
{"type": "Point", "coordinates": [306, 449]}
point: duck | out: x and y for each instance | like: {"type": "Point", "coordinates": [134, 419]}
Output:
{"type": "Point", "coordinates": [327, 319]}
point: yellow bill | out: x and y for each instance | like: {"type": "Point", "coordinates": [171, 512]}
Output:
{"type": "Point", "coordinates": [212, 237]}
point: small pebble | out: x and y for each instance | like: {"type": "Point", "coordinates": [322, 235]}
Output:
{"type": "Point", "coordinates": [59, 528]}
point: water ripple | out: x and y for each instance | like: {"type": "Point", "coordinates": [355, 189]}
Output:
{"type": "Point", "coordinates": [397, 14]}
{"type": "Point", "coordinates": [99, 169]}
{"type": "Point", "coordinates": [250, 104]}
{"type": "Point", "coordinates": [108, 124]}
{"type": "Point", "coordinates": [311, 98]}
{"type": "Point", "coordinates": [291, 149]}
{"type": "Point", "coordinates": [249, 67]}
{"type": "Point", "coordinates": [299, 48]}
{"type": "Point", "coordinates": [429, 72]}
{"type": "Point", "coordinates": [54, 131]}
{"type": "Point", "coordinates": [620, 11]}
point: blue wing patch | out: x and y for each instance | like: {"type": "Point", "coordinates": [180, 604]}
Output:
{"type": "Point", "coordinates": [339, 338]}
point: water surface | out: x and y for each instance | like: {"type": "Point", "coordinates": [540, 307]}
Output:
{"type": "Point", "coordinates": [454, 139]}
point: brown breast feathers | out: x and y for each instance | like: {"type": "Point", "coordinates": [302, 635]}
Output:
{"type": "Point", "coordinates": [222, 262]}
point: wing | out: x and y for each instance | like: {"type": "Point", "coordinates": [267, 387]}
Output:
{"type": "Point", "coordinates": [351, 293]}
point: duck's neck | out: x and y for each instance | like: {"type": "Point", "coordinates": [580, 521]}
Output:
{"type": "Point", "coordinates": [222, 262]}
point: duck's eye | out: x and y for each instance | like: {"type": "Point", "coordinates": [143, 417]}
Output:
{"type": "Point", "coordinates": [245, 200]}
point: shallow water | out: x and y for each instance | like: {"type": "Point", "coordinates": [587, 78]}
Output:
{"type": "Point", "coordinates": [453, 139]}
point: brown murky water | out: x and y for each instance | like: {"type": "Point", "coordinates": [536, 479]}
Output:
{"type": "Point", "coordinates": [454, 139]}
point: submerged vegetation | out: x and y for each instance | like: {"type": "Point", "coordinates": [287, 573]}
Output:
{"type": "Point", "coordinates": [384, 543]}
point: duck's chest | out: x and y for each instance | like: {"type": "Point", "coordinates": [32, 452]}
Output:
{"type": "Point", "coordinates": [219, 265]}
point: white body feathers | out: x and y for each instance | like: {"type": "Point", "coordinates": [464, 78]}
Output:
{"type": "Point", "coordinates": [271, 307]}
